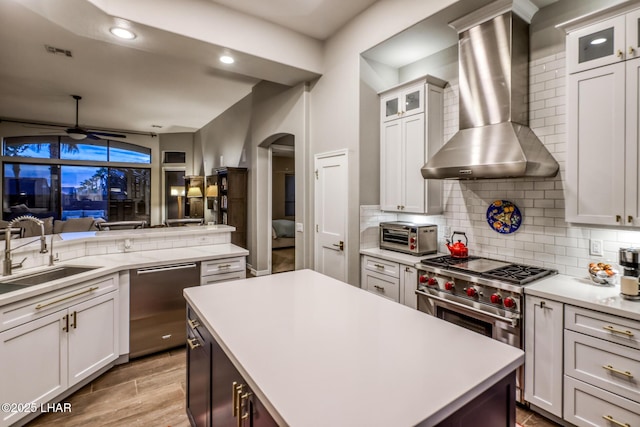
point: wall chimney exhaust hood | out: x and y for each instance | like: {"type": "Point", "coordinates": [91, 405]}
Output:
{"type": "Point", "coordinates": [494, 140]}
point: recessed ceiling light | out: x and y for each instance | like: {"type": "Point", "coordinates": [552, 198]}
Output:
{"type": "Point", "coordinates": [598, 41]}
{"type": "Point", "coordinates": [123, 33]}
{"type": "Point", "coordinates": [227, 59]}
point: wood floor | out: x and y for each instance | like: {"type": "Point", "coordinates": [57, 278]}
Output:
{"type": "Point", "coordinates": [150, 391]}
{"type": "Point", "coordinates": [283, 260]}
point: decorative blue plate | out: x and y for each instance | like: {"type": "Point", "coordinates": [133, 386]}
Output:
{"type": "Point", "coordinates": [504, 217]}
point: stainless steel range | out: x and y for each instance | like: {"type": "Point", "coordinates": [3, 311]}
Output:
{"type": "Point", "coordinates": [480, 294]}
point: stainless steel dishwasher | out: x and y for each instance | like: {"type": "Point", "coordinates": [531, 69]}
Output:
{"type": "Point", "coordinates": [157, 307]}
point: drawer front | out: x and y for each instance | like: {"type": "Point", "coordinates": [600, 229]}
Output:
{"type": "Point", "coordinates": [33, 308]}
{"type": "Point", "coordinates": [381, 266]}
{"type": "Point", "coordinates": [613, 367]}
{"type": "Point", "coordinates": [221, 266]}
{"type": "Point", "coordinates": [586, 405]}
{"type": "Point", "coordinates": [600, 325]}
{"type": "Point", "coordinates": [385, 286]}
{"type": "Point", "coordinates": [222, 277]}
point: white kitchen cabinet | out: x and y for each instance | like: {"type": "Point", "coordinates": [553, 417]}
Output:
{"type": "Point", "coordinates": [389, 279]}
{"type": "Point", "coordinates": [406, 143]}
{"type": "Point", "coordinates": [220, 270]}
{"type": "Point", "coordinates": [543, 354]}
{"type": "Point", "coordinates": [33, 364]}
{"type": "Point", "coordinates": [611, 39]}
{"type": "Point", "coordinates": [601, 362]}
{"type": "Point", "coordinates": [408, 285]}
{"type": "Point", "coordinates": [402, 102]}
{"type": "Point", "coordinates": [603, 182]}
{"type": "Point", "coordinates": [56, 340]}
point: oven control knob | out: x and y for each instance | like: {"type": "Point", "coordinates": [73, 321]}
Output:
{"type": "Point", "coordinates": [509, 302]}
{"type": "Point", "coordinates": [432, 281]}
{"type": "Point", "coordinates": [496, 299]}
{"type": "Point", "coordinates": [471, 291]}
{"type": "Point", "coordinates": [449, 286]}
{"type": "Point", "coordinates": [412, 247]}
{"type": "Point", "coordinates": [423, 279]}
{"type": "Point", "coordinates": [412, 240]}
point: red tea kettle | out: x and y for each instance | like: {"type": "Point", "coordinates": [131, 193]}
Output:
{"type": "Point", "coordinates": [458, 249]}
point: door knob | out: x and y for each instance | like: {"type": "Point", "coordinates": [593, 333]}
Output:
{"type": "Point", "coordinates": [339, 245]}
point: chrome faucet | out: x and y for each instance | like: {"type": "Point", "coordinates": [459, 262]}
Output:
{"type": "Point", "coordinates": [7, 264]}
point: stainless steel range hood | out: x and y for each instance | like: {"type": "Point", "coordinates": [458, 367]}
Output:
{"type": "Point", "coordinates": [494, 140]}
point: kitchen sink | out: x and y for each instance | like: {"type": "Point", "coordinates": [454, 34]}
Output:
{"type": "Point", "coordinates": [44, 276]}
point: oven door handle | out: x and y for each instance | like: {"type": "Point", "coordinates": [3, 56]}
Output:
{"type": "Point", "coordinates": [513, 321]}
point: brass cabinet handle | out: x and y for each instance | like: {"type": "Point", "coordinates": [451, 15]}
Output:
{"type": "Point", "coordinates": [379, 288]}
{"type": "Point", "coordinates": [618, 218]}
{"type": "Point", "coordinates": [542, 304]}
{"type": "Point", "coordinates": [224, 266]}
{"type": "Point", "coordinates": [75, 320]}
{"type": "Point", "coordinates": [234, 398]}
{"type": "Point", "coordinates": [617, 331]}
{"type": "Point", "coordinates": [242, 416]}
{"type": "Point", "coordinates": [193, 343]}
{"type": "Point", "coordinates": [193, 323]}
{"type": "Point", "coordinates": [86, 291]}
{"type": "Point", "coordinates": [616, 422]}
{"type": "Point", "coordinates": [631, 50]}
{"type": "Point", "coordinates": [66, 323]}
{"type": "Point", "coordinates": [378, 265]}
{"type": "Point", "coordinates": [619, 53]}
{"type": "Point", "coordinates": [630, 219]}
{"type": "Point", "coordinates": [617, 371]}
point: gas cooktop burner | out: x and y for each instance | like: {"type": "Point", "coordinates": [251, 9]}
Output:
{"type": "Point", "coordinates": [517, 274]}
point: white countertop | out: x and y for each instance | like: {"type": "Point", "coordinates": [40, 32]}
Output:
{"type": "Point", "coordinates": [395, 256]}
{"type": "Point", "coordinates": [112, 263]}
{"type": "Point", "coordinates": [584, 293]}
{"type": "Point", "coordinates": [319, 352]}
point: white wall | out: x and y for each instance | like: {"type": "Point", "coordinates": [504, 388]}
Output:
{"type": "Point", "coordinates": [335, 98]}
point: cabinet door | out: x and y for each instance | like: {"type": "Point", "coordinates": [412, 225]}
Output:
{"type": "Point", "coordinates": [543, 354]}
{"type": "Point", "coordinates": [596, 45]}
{"type": "Point", "coordinates": [390, 107]}
{"type": "Point", "coordinates": [596, 146]}
{"type": "Point", "coordinates": [33, 363]}
{"type": "Point", "coordinates": [245, 409]}
{"type": "Point", "coordinates": [412, 100]}
{"type": "Point", "coordinates": [93, 336]}
{"type": "Point", "coordinates": [632, 142]}
{"type": "Point", "coordinates": [633, 34]}
{"type": "Point", "coordinates": [408, 285]}
{"type": "Point", "coordinates": [391, 153]}
{"type": "Point", "coordinates": [198, 371]}
{"type": "Point", "coordinates": [413, 183]}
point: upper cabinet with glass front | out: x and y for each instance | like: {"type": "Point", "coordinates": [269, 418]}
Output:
{"type": "Point", "coordinates": [611, 40]}
{"type": "Point", "coordinates": [402, 102]}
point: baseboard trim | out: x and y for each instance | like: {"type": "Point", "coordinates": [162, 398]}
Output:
{"type": "Point", "coordinates": [259, 273]}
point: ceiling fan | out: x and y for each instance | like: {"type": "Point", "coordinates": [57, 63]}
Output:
{"type": "Point", "coordinates": [78, 133]}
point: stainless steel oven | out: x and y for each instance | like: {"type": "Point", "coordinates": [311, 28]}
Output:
{"type": "Point", "coordinates": [478, 294]}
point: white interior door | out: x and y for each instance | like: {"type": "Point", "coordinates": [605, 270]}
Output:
{"type": "Point", "coordinates": [331, 214]}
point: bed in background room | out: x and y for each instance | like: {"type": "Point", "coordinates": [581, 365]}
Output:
{"type": "Point", "coordinates": [283, 233]}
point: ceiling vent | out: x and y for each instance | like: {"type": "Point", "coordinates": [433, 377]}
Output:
{"type": "Point", "coordinates": [58, 51]}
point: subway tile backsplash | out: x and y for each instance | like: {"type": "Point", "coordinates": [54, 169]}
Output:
{"type": "Point", "coordinates": [544, 238]}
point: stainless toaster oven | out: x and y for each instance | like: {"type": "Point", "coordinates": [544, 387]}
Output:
{"type": "Point", "coordinates": [410, 238]}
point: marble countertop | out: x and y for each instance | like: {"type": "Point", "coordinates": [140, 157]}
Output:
{"type": "Point", "coordinates": [583, 292]}
{"type": "Point", "coordinates": [112, 263]}
{"type": "Point", "coordinates": [319, 352]}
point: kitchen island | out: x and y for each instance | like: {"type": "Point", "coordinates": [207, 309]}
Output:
{"type": "Point", "coordinates": [314, 351]}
